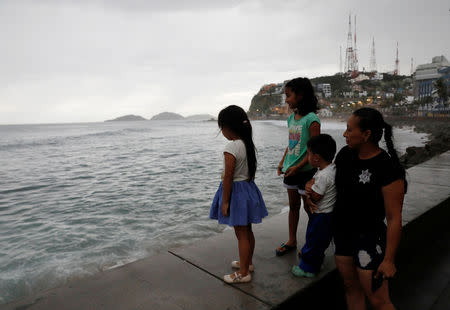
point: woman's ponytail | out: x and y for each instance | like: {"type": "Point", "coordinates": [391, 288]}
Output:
{"type": "Point", "coordinates": [392, 152]}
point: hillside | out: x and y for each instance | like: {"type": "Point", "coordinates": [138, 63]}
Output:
{"type": "Point", "coordinates": [387, 90]}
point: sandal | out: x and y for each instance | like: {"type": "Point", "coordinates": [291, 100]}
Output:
{"type": "Point", "coordinates": [285, 249]}
{"type": "Point", "coordinates": [238, 278]}
{"type": "Point", "coordinates": [236, 264]}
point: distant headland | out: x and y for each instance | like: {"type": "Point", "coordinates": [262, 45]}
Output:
{"type": "Point", "coordinates": [165, 116]}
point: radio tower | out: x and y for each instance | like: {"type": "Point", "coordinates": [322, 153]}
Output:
{"type": "Point", "coordinates": [373, 61]}
{"type": "Point", "coordinates": [355, 54]}
{"type": "Point", "coordinates": [349, 52]}
{"type": "Point", "coordinates": [396, 62]}
{"type": "Point", "coordinates": [412, 66]}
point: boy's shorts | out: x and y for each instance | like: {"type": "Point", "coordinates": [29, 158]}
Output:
{"type": "Point", "coordinates": [367, 249]}
{"type": "Point", "coordinates": [298, 181]}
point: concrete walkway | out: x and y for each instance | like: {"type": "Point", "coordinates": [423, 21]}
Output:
{"type": "Point", "coordinates": [191, 277]}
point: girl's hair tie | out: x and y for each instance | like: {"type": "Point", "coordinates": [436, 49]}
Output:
{"type": "Point", "coordinates": [245, 121]}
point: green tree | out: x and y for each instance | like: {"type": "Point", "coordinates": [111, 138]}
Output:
{"type": "Point", "coordinates": [398, 97]}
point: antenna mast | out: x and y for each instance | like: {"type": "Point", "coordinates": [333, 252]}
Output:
{"type": "Point", "coordinates": [355, 55]}
{"type": "Point", "coordinates": [373, 61]}
{"type": "Point", "coordinates": [349, 59]}
{"type": "Point", "coordinates": [396, 62]}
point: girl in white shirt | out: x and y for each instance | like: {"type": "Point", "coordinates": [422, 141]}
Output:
{"type": "Point", "coordinates": [238, 201]}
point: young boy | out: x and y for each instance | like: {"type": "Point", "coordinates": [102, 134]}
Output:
{"type": "Point", "coordinates": [321, 196]}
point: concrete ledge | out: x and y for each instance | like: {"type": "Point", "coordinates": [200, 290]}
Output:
{"type": "Point", "coordinates": [159, 282]}
{"type": "Point", "coordinates": [272, 281]}
{"type": "Point", "coordinates": [191, 277]}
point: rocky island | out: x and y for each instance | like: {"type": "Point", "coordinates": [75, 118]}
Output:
{"type": "Point", "coordinates": [127, 118]}
{"type": "Point", "coordinates": [174, 116]}
{"type": "Point", "coordinates": [165, 116]}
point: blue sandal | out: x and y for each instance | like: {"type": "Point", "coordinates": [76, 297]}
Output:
{"type": "Point", "coordinates": [285, 249]}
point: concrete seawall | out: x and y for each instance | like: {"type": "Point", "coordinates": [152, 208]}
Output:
{"type": "Point", "coordinates": [191, 277]}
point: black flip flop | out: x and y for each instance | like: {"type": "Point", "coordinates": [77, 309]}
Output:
{"type": "Point", "coordinates": [286, 249]}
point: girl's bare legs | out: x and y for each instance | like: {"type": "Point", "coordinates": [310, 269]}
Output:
{"type": "Point", "coordinates": [379, 299]}
{"type": "Point", "coordinates": [294, 215]}
{"type": "Point", "coordinates": [246, 246]}
{"type": "Point", "coordinates": [354, 292]}
{"type": "Point", "coordinates": [251, 238]}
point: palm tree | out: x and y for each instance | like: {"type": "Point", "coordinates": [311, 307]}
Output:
{"type": "Point", "coordinates": [441, 88]}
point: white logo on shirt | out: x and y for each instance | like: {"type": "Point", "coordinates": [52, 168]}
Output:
{"type": "Point", "coordinates": [364, 177]}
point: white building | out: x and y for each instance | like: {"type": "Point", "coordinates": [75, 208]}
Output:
{"type": "Point", "coordinates": [377, 76]}
{"type": "Point", "coordinates": [325, 88]}
{"type": "Point", "coordinates": [363, 94]}
{"type": "Point", "coordinates": [361, 77]}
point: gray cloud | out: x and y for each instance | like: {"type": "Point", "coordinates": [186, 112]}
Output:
{"type": "Point", "coordinates": [93, 60]}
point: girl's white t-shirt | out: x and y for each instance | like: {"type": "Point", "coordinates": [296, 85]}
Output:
{"type": "Point", "coordinates": [237, 149]}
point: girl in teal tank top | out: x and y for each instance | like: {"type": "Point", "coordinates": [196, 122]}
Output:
{"type": "Point", "coordinates": [303, 124]}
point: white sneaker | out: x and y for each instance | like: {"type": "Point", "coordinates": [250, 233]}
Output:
{"type": "Point", "coordinates": [237, 265]}
{"type": "Point", "coordinates": [237, 278]}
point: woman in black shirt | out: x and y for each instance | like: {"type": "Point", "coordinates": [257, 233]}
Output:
{"type": "Point", "coordinates": [370, 185]}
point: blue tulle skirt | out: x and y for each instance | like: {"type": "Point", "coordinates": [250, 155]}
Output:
{"type": "Point", "coordinates": [246, 205]}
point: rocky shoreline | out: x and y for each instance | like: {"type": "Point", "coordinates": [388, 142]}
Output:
{"type": "Point", "coordinates": [439, 130]}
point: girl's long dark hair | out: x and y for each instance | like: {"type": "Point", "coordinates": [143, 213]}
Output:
{"type": "Point", "coordinates": [235, 119]}
{"type": "Point", "coordinates": [303, 86]}
{"type": "Point", "coordinates": [371, 119]}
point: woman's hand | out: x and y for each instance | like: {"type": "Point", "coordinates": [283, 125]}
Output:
{"type": "Point", "coordinates": [386, 270]}
{"type": "Point", "coordinates": [225, 208]}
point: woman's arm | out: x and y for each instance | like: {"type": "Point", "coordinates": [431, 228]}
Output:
{"type": "Point", "coordinates": [280, 165]}
{"type": "Point", "coordinates": [230, 163]}
{"type": "Point", "coordinates": [314, 130]}
{"type": "Point", "coordinates": [393, 195]}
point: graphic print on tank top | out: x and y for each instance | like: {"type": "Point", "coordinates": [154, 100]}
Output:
{"type": "Point", "coordinates": [295, 135]}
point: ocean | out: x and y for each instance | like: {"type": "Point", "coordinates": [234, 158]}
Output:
{"type": "Point", "coordinates": [77, 199]}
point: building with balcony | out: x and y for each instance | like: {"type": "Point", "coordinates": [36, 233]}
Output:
{"type": "Point", "coordinates": [324, 88]}
{"type": "Point", "coordinates": [427, 74]}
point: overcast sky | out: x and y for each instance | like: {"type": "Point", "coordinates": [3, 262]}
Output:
{"type": "Point", "coordinates": [92, 60]}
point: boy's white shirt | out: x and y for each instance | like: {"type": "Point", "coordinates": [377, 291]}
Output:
{"type": "Point", "coordinates": [324, 185]}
